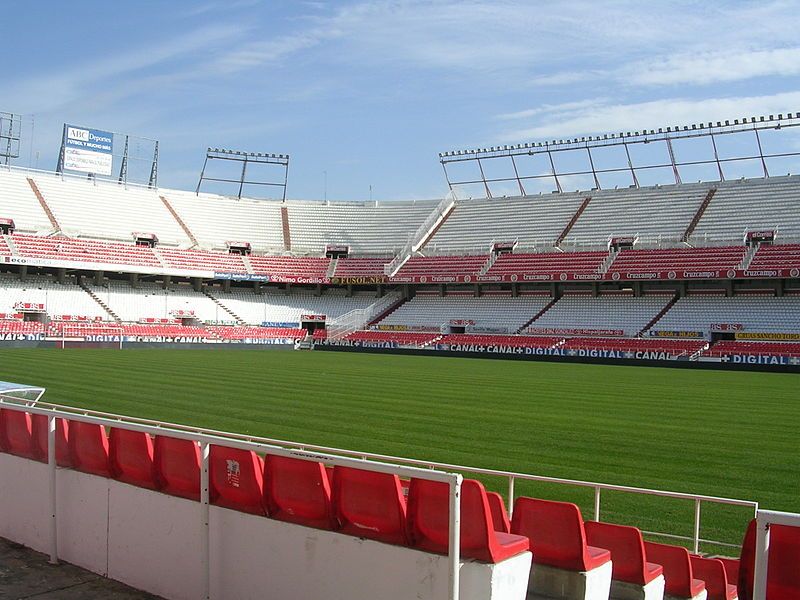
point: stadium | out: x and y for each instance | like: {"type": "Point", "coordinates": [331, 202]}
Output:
{"type": "Point", "coordinates": [575, 381]}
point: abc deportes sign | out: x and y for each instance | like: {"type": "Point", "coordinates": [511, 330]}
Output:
{"type": "Point", "coordinates": [88, 150]}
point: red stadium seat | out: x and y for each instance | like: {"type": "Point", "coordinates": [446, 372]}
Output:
{"type": "Point", "coordinates": [428, 519]}
{"type": "Point", "coordinates": [370, 505]}
{"type": "Point", "coordinates": [556, 532]}
{"type": "Point", "coordinates": [236, 479]}
{"type": "Point", "coordinates": [39, 432]}
{"type": "Point", "coordinates": [16, 435]}
{"type": "Point", "coordinates": [499, 513]}
{"type": "Point", "coordinates": [88, 447]}
{"type": "Point", "coordinates": [783, 574]}
{"type": "Point", "coordinates": [627, 552]}
{"type": "Point", "coordinates": [678, 573]}
{"type": "Point", "coordinates": [177, 466]}
{"type": "Point", "coordinates": [731, 568]}
{"type": "Point", "coordinates": [131, 457]}
{"type": "Point", "coordinates": [298, 491]}
{"type": "Point", "coordinates": [712, 571]}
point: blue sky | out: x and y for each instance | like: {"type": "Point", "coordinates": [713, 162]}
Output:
{"type": "Point", "coordinates": [371, 91]}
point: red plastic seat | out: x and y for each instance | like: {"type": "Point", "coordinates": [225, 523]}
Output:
{"type": "Point", "coordinates": [731, 568]}
{"type": "Point", "coordinates": [16, 435]}
{"type": "Point", "coordinates": [783, 575]}
{"type": "Point", "coordinates": [177, 466]}
{"type": "Point", "coordinates": [429, 522]}
{"type": "Point", "coordinates": [370, 505]}
{"type": "Point", "coordinates": [712, 571]}
{"type": "Point", "coordinates": [88, 447]}
{"type": "Point", "coordinates": [39, 433]}
{"type": "Point", "coordinates": [556, 532]}
{"type": "Point", "coordinates": [298, 491]}
{"type": "Point", "coordinates": [678, 573]}
{"type": "Point", "coordinates": [131, 457]}
{"type": "Point", "coordinates": [499, 513]}
{"type": "Point", "coordinates": [236, 479]}
{"type": "Point", "coordinates": [627, 551]}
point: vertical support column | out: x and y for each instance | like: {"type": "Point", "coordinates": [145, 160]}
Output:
{"type": "Point", "coordinates": [597, 504]}
{"type": "Point", "coordinates": [510, 495]}
{"type": "Point", "coordinates": [51, 465]}
{"type": "Point", "coordinates": [454, 555]}
{"type": "Point", "coordinates": [204, 534]}
{"type": "Point", "coordinates": [761, 562]}
{"type": "Point", "coordinates": [697, 526]}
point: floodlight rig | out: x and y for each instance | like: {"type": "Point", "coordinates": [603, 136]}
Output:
{"type": "Point", "coordinates": [10, 128]}
{"type": "Point", "coordinates": [588, 143]}
{"type": "Point", "coordinates": [246, 159]}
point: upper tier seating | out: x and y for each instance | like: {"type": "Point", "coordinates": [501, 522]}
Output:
{"type": "Point", "coordinates": [753, 313]}
{"type": "Point", "coordinates": [84, 251]}
{"type": "Point", "coordinates": [678, 259]}
{"type": "Point", "coordinates": [650, 213]}
{"type": "Point", "coordinates": [780, 256]}
{"type": "Point", "coordinates": [202, 261]}
{"type": "Point", "coordinates": [368, 228]}
{"type": "Point", "coordinates": [96, 209]}
{"type": "Point", "coordinates": [360, 267]}
{"type": "Point", "coordinates": [288, 266]}
{"type": "Point", "coordinates": [18, 202]}
{"type": "Point", "coordinates": [68, 299]}
{"type": "Point", "coordinates": [615, 313]}
{"type": "Point", "coordinates": [215, 220]}
{"type": "Point", "coordinates": [533, 221]}
{"type": "Point", "coordinates": [428, 517]}
{"type": "Point", "coordinates": [678, 572]}
{"type": "Point", "coordinates": [548, 263]}
{"type": "Point", "coordinates": [441, 266]}
{"type": "Point", "coordinates": [5, 250]}
{"type": "Point", "coordinates": [426, 311]}
{"type": "Point", "coordinates": [753, 204]}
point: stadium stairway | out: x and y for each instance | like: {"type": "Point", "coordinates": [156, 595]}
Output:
{"type": "Point", "coordinates": [287, 234]}
{"type": "Point", "coordinates": [219, 303]}
{"type": "Point", "coordinates": [388, 311]}
{"type": "Point", "coordinates": [53, 221]}
{"type": "Point", "coordinates": [748, 257]}
{"type": "Point", "coordinates": [332, 268]}
{"type": "Point", "coordinates": [177, 217]}
{"type": "Point", "coordinates": [102, 304]}
{"type": "Point", "coordinates": [537, 315]}
{"type": "Point", "coordinates": [698, 215]}
{"type": "Point", "coordinates": [565, 232]}
{"type": "Point", "coordinates": [663, 311]}
{"type": "Point", "coordinates": [247, 264]}
{"type": "Point", "coordinates": [160, 258]}
{"type": "Point", "coordinates": [11, 245]}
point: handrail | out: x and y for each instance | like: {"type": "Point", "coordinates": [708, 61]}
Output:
{"type": "Point", "coordinates": [207, 437]}
{"type": "Point", "coordinates": [511, 476]}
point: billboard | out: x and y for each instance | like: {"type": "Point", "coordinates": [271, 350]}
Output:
{"type": "Point", "coordinates": [88, 150]}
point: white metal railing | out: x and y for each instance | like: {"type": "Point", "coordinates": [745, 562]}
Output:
{"type": "Point", "coordinates": [205, 438]}
{"type": "Point", "coordinates": [511, 476]}
{"type": "Point", "coordinates": [764, 519]}
{"type": "Point", "coordinates": [358, 319]}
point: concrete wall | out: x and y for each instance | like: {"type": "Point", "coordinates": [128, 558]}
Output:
{"type": "Point", "coordinates": [153, 542]}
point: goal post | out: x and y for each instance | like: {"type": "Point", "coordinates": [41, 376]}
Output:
{"type": "Point", "coordinates": [78, 333]}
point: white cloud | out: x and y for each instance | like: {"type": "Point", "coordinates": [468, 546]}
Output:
{"type": "Point", "coordinates": [601, 117]}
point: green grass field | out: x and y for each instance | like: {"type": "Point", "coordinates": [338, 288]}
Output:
{"type": "Point", "coordinates": [720, 433]}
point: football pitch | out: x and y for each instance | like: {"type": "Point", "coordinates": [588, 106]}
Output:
{"type": "Point", "coordinates": [721, 433]}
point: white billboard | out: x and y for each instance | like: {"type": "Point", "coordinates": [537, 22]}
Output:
{"type": "Point", "coordinates": [88, 150]}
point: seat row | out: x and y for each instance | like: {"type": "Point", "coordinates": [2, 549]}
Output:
{"type": "Point", "coordinates": [353, 501]}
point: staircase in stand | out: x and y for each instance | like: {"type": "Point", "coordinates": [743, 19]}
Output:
{"type": "Point", "coordinates": [488, 264]}
{"type": "Point", "coordinates": [239, 319]}
{"type": "Point", "coordinates": [11, 245]}
{"type": "Point", "coordinates": [431, 342]}
{"type": "Point", "coordinates": [53, 221]}
{"type": "Point", "coordinates": [663, 311]}
{"type": "Point", "coordinates": [608, 261]}
{"type": "Point", "coordinates": [287, 235]}
{"type": "Point", "coordinates": [700, 212]}
{"type": "Point", "coordinates": [332, 268]}
{"type": "Point", "coordinates": [102, 304]}
{"type": "Point", "coordinates": [180, 221]}
{"type": "Point", "coordinates": [537, 315]}
{"type": "Point", "coordinates": [387, 312]}
{"type": "Point", "coordinates": [748, 257]}
{"type": "Point", "coordinates": [159, 258]}
{"type": "Point", "coordinates": [423, 234]}
{"type": "Point", "coordinates": [248, 265]}
{"type": "Point", "coordinates": [573, 220]}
